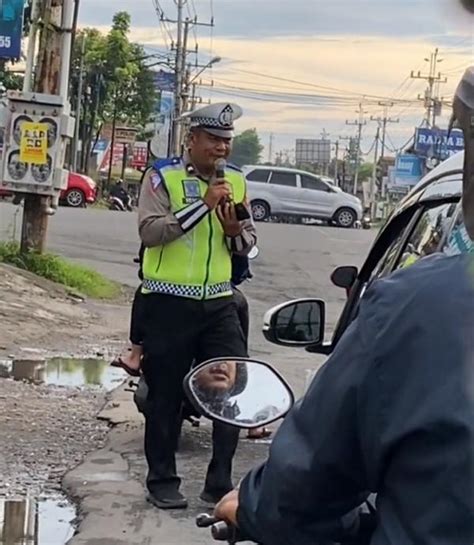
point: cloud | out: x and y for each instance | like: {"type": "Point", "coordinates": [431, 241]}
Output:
{"type": "Point", "coordinates": [358, 46]}
{"type": "Point", "coordinates": [280, 18]}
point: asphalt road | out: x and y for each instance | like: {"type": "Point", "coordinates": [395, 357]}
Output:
{"type": "Point", "coordinates": [294, 261]}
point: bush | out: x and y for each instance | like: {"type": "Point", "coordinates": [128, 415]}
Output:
{"type": "Point", "coordinates": [57, 269]}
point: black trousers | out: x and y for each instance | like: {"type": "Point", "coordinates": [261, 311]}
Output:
{"type": "Point", "coordinates": [177, 332]}
{"type": "Point", "coordinates": [136, 322]}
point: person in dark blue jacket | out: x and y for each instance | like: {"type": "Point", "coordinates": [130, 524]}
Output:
{"type": "Point", "coordinates": [390, 413]}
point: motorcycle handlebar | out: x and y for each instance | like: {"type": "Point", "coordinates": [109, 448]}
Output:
{"type": "Point", "coordinates": [220, 530]}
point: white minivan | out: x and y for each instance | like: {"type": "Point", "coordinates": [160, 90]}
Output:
{"type": "Point", "coordinates": [278, 191]}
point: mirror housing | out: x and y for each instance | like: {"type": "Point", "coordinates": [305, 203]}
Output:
{"type": "Point", "coordinates": [296, 323]}
{"type": "Point", "coordinates": [240, 392]}
{"type": "Point", "coordinates": [344, 277]}
{"type": "Point", "coordinates": [253, 254]}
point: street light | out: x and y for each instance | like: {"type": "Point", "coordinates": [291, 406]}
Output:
{"type": "Point", "coordinates": [213, 61]}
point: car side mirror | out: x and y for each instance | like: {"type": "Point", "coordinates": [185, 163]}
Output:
{"type": "Point", "coordinates": [241, 392]}
{"type": "Point", "coordinates": [296, 323]}
{"type": "Point", "coordinates": [345, 277]}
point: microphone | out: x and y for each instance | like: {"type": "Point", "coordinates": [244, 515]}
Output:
{"type": "Point", "coordinates": [219, 166]}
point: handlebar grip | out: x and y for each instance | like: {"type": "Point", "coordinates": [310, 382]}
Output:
{"type": "Point", "coordinates": [205, 520]}
{"type": "Point", "coordinates": [221, 531]}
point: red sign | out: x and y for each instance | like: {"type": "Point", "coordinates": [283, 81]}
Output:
{"type": "Point", "coordinates": [137, 159]}
{"type": "Point", "coordinates": [140, 155]}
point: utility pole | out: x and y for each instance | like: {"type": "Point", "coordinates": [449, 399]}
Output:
{"type": "Point", "coordinates": [383, 121]}
{"type": "Point", "coordinates": [270, 149]}
{"type": "Point", "coordinates": [182, 83]}
{"type": "Point", "coordinates": [178, 71]}
{"type": "Point", "coordinates": [431, 98]}
{"type": "Point", "coordinates": [324, 137]}
{"type": "Point", "coordinates": [336, 165]}
{"type": "Point", "coordinates": [360, 123]}
{"type": "Point", "coordinates": [80, 86]}
{"type": "Point", "coordinates": [51, 76]}
{"type": "Point", "coordinates": [373, 182]}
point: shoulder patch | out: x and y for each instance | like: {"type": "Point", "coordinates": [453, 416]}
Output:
{"type": "Point", "coordinates": [156, 179]}
{"type": "Point", "coordinates": [165, 163]}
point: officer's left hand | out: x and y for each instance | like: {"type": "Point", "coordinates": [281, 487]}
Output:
{"type": "Point", "coordinates": [226, 509]}
{"type": "Point", "coordinates": [228, 218]}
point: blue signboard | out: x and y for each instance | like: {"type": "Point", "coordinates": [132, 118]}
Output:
{"type": "Point", "coordinates": [11, 25]}
{"type": "Point", "coordinates": [164, 81]}
{"type": "Point", "coordinates": [436, 143]}
{"type": "Point", "coordinates": [408, 170]}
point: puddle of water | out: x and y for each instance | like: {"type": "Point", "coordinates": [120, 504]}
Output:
{"type": "Point", "coordinates": [36, 521]}
{"type": "Point", "coordinates": [64, 372]}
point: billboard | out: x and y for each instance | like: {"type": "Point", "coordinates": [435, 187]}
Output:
{"type": "Point", "coordinates": [164, 81]}
{"type": "Point", "coordinates": [437, 143]}
{"type": "Point", "coordinates": [11, 26]}
{"type": "Point", "coordinates": [407, 172]}
{"type": "Point", "coordinates": [313, 151]}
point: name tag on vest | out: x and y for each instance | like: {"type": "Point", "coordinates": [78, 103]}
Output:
{"type": "Point", "coordinates": [191, 190]}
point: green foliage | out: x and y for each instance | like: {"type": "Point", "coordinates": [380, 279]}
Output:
{"type": "Point", "coordinates": [57, 269]}
{"type": "Point", "coordinates": [247, 148]}
{"type": "Point", "coordinates": [116, 79]}
{"type": "Point", "coordinates": [365, 171]}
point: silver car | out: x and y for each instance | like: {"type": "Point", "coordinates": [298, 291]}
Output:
{"type": "Point", "coordinates": [277, 191]}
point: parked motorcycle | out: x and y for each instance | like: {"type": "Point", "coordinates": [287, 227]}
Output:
{"type": "Point", "coordinates": [122, 205]}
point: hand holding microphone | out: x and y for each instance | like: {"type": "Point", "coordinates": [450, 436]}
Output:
{"type": "Point", "coordinates": [218, 191]}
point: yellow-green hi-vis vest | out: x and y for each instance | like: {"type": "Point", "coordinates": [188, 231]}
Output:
{"type": "Point", "coordinates": [198, 264]}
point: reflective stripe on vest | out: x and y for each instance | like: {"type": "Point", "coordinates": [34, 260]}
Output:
{"type": "Point", "coordinates": [198, 264]}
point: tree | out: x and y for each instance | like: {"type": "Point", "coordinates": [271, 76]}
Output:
{"type": "Point", "coordinates": [247, 148]}
{"type": "Point", "coordinates": [117, 81]}
{"type": "Point", "coordinates": [365, 171]}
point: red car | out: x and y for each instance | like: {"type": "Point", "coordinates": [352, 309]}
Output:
{"type": "Point", "coordinates": [81, 190]}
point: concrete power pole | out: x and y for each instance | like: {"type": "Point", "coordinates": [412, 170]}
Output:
{"type": "Point", "coordinates": [336, 166]}
{"type": "Point", "coordinates": [51, 76]}
{"type": "Point", "coordinates": [80, 86]}
{"type": "Point", "coordinates": [360, 123]}
{"type": "Point", "coordinates": [383, 121]}
{"type": "Point", "coordinates": [431, 98]}
{"type": "Point", "coordinates": [373, 182]}
{"type": "Point", "coordinates": [179, 73]}
{"type": "Point", "coordinates": [270, 148]}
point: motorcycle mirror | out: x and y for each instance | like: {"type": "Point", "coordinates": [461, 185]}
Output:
{"type": "Point", "coordinates": [254, 252]}
{"type": "Point", "coordinates": [296, 323]}
{"type": "Point", "coordinates": [241, 392]}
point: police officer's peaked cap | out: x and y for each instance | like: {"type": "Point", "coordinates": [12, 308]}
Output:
{"type": "Point", "coordinates": [217, 119]}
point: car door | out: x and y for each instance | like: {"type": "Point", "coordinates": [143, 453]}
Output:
{"type": "Point", "coordinates": [318, 198]}
{"type": "Point", "coordinates": [285, 191]}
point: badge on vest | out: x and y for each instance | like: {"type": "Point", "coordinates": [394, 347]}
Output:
{"type": "Point", "coordinates": [192, 191]}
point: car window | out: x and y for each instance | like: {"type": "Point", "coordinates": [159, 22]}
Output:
{"type": "Point", "coordinates": [257, 175]}
{"type": "Point", "coordinates": [385, 265]}
{"type": "Point", "coordinates": [283, 178]}
{"type": "Point", "coordinates": [430, 230]}
{"type": "Point", "coordinates": [458, 240]}
{"type": "Point", "coordinates": [308, 182]}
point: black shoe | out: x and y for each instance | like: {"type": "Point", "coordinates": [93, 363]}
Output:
{"type": "Point", "coordinates": [171, 500]}
{"type": "Point", "coordinates": [211, 498]}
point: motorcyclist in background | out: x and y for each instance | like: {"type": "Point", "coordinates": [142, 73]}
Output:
{"type": "Point", "coordinates": [391, 412]}
{"type": "Point", "coordinates": [119, 192]}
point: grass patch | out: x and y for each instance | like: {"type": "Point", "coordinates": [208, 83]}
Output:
{"type": "Point", "coordinates": [55, 268]}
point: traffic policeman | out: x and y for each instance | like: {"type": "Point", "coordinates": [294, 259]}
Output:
{"type": "Point", "coordinates": [191, 222]}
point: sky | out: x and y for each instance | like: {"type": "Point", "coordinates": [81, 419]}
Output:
{"type": "Point", "coordinates": [336, 53]}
